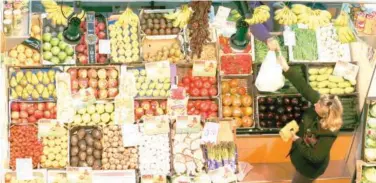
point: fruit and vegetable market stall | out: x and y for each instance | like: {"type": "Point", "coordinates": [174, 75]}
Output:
{"type": "Point", "coordinates": [163, 93]}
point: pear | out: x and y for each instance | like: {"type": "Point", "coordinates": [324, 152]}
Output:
{"type": "Point", "coordinates": [23, 82]}
{"type": "Point", "coordinates": [51, 75]}
{"type": "Point", "coordinates": [40, 88]}
{"type": "Point", "coordinates": [19, 76]}
{"type": "Point", "coordinates": [54, 94]}
{"type": "Point", "coordinates": [40, 76]}
{"type": "Point", "coordinates": [29, 88]}
{"type": "Point", "coordinates": [14, 94]}
{"type": "Point", "coordinates": [45, 94]}
{"type": "Point", "coordinates": [35, 94]}
{"type": "Point", "coordinates": [19, 90]}
{"type": "Point", "coordinates": [25, 94]}
{"type": "Point", "coordinates": [34, 79]}
{"type": "Point", "coordinates": [46, 80]}
{"type": "Point", "coordinates": [51, 87]}
{"type": "Point", "coordinates": [29, 75]}
{"type": "Point", "coordinates": [13, 82]}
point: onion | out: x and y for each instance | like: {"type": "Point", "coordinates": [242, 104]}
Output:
{"type": "Point", "coordinates": [227, 111]}
{"type": "Point", "coordinates": [227, 100]}
{"type": "Point", "coordinates": [236, 101]}
{"type": "Point", "coordinates": [247, 121]}
{"type": "Point", "coordinates": [246, 100]}
{"type": "Point", "coordinates": [237, 112]}
{"type": "Point", "coordinates": [225, 87]}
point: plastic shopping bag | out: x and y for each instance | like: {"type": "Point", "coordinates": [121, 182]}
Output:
{"type": "Point", "coordinates": [270, 77]}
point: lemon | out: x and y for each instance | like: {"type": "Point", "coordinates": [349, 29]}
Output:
{"type": "Point", "coordinates": [36, 57]}
{"type": "Point", "coordinates": [63, 163]}
{"type": "Point", "coordinates": [43, 158]}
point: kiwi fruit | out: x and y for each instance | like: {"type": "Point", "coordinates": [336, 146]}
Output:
{"type": "Point", "coordinates": [74, 151]}
{"type": "Point", "coordinates": [168, 31]}
{"type": "Point", "coordinates": [150, 25]}
{"type": "Point", "coordinates": [151, 15]}
{"type": "Point", "coordinates": [162, 21]}
{"type": "Point", "coordinates": [97, 144]}
{"type": "Point", "coordinates": [158, 15]}
{"type": "Point", "coordinates": [146, 16]}
{"type": "Point", "coordinates": [82, 145]}
{"type": "Point", "coordinates": [142, 21]}
{"type": "Point", "coordinates": [97, 154]}
{"type": "Point", "coordinates": [89, 150]}
{"type": "Point", "coordinates": [156, 26]}
{"type": "Point", "coordinates": [175, 30]}
{"type": "Point", "coordinates": [163, 26]}
{"type": "Point", "coordinates": [90, 160]}
{"type": "Point", "coordinates": [74, 140]}
{"type": "Point", "coordinates": [162, 32]}
{"type": "Point", "coordinates": [144, 27]}
{"type": "Point", "coordinates": [149, 21]}
{"type": "Point", "coordinates": [89, 140]}
{"type": "Point", "coordinates": [155, 32]}
{"type": "Point", "coordinates": [156, 21]}
{"type": "Point", "coordinates": [74, 161]}
{"type": "Point", "coordinates": [82, 156]}
{"type": "Point", "coordinates": [82, 164]}
{"type": "Point", "coordinates": [81, 133]}
{"type": "Point", "coordinates": [96, 134]}
{"type": "Point", "coordinates": [169, 25]}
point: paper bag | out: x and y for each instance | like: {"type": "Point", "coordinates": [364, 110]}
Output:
{"type": "Point", "coordinates": [285, 132]}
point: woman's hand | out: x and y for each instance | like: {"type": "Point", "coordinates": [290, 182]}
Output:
{"type": "Point", "coordinates": [282, 61]}
{"type": "Point", "coordinates": [273, 44]}
{"type": "Point", "coordinates": [294, 136]}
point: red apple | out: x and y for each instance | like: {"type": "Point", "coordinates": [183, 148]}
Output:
{"type": "Point", "coordinates": [101, 35]}
{"type": "Point", "coordinates": [80, 48]}
{"type": "Point", "coordinates": [149, 112]}
{"type": "Point", "coordinates": [15, 106]}
{"type": "Point", "coordinates": [102, 84]}
{"type": "Point", "coordinates": [50, 105]}
{"type": "Point", "coordinates": [24, 114]}
{"type": "Point", "coordinates": [164, 105]}
{"type": "Point", "coordinates": [15, 121]}
{"type": "Point", "coordinates": [112, 82]}
{"type": "Point", "coordinates": [102, 73]}
{"type": "Point", "coordinates": [101, 26]}
{"type": "Point", "coordinates": [93, 83]}
{"type": "Point", "coordinates": [30, 110]}
{"type": "Point", "coordinates": [53, 110]}
{"type": "Point", "coordinates": [41, 106]}
{"type": "Point", "coordinates": [15, 115]}
{"type": "Point", "coordinates": [102, 59]}
{"type": "Point", "coordinates": [112, 92]}
{"type": "Point", "coordinates": [139, 112]}
{"type": "Point", "coordinates": [95, 91]}
{"type": "Point", "coordinates": [154, 105]}
{"type": "Point", "coordinates": [31, 119]}
{"type": "Point", "coordinates": [47, 114]}
{"type": "Point", "coordinates": [145, 105]}
{"type": "Point", "coordinates": [136, 104]}
{"type": "Point", "coordinates": [23, 106]}
{"type": "Point", "coordinates": [73, 73]}
{"type": "Point", "coordinates": [92, 73]}
{"type": "Point", "coordinates": [82, 59]}
{"type": "Point", "coordinates": [159, 111]}
{"type": "Point", "coordinates": [82, 73]}
{"type": "Point", "coordinates": [38, 114]}
{"type": "Point", "coordinates": [74, 84]}
{"type": "Point", "coordinates": [112, 73]}
{"type": "Point", "coordinates": [103, 94]}
{"type": "Point", "coordinates": [83, 83]}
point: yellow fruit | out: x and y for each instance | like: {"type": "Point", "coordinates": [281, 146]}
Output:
{"type": "Point", "coordinates": [36, 57]}
{"type": "Point", "coordinates": [48, 163]}
{"type": "Point", "coordinates": [20, 48]}
{"type": "Point", "coordinates": [21, 57]}
{"type": "Point", "coordinates": [38, 36]}
{"type": "Point", "coordinates": [35, 29]}
{"type": "Point", "coordinates": [28, 52]}
{"type": "Point", "coordinates": [13, 53]}
{"type": "Point", "coordinates": [43, 158]}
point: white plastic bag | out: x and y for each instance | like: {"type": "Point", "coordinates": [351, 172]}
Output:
{"type": "Point", "coordinates": [270, 77]}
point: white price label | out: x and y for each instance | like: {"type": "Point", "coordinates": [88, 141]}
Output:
{"type": "Point", "coordinates": [24, 169]}
{"type": "Point", "coordinates": [157, 70]}
{"type": "Point", "coordinates": [221, 16]}
{"type": "Point", "coordinates": [104, 46]}
{"type": "Point", "coordinates": [289, 38]}
{"type": "Point", "coordinates": [346, 70]}
{"type": "Point", "coordinates": [130, 135]}
{"type": "Point", "coordinates": [210, 133]}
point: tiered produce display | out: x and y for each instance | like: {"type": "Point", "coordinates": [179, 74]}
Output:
{"type": "Point", "coordinates": [59, 79]}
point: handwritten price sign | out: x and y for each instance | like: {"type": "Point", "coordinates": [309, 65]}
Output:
{"type": "Point", "coordinates": [210, 133]}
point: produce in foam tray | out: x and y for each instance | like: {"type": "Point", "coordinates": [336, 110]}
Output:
{"type": "Point", "coordinates": [26, 112]}
{"type": "Point", "coordinates": [33, 84]}
{"type": "Point", "coordinates": [322, 80]}
{"type": "Point", "coordinates": [11, 177]}
{"type": "Point", "coordinates": [95, 114]}
{"type": "Point", "coordinates": [24, 55]}
{"type": "Point", "coordinates": [329, 47]}
{"type": "Point", "coordinates": [124, 38]}
{"type": "Point", "coordinates": [150, 88]}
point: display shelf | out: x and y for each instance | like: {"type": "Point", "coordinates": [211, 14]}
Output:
{"type": "Point", "coordinates": [151, 98]}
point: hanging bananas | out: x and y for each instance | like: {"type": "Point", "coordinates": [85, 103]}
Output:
{"type": "Point", "coordinates": [345, 33]}
{"type": "Point", "coordinates": [55, 12]}
{"type": "Point", "coordinates": [260, 15]}
{"type": "Point", "coordinates": [128, 17]}
{"type": "Point", "coordinates": [285, 16]}
{"type": "Point", "coordinates": [180, 16]}
{"type": "Point", "coordinates": [312, 18]}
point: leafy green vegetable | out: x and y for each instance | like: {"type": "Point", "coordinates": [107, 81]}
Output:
{"type": "Point", "coordinates": [261, 49]}
{"type": "Point", "coordinates": [306, 45]}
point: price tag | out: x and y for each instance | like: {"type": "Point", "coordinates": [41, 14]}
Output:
{"type": "Point", "coordinates": [79, 174]}
{"type": "Point", "coordinates": [124, 176]}
{"type": "Point", "coordinates": [124, 110]}
{"type": "Point", "coordinates": [347, 70]}
{"type": "Point", "coordinates": [157, 70]}
{"type": "Point", "coordinates": [221, 16]}
{"type": "Point", "coordinates": [289, 38]}
{"type": "Point", "coordinates": [156, 125]}
{"type": "Point", "coordinates": [205, 68]}
{"type": "Point", "coordinates": [153, 179]}
{"type": "Point", "coordinates": [24, 169]}
{"type": "Point", "coordinates": [177, 107]}
{"type": "Point", "coordinates": [50, 127]}
{"type": "Point", "coordinates": [104, 46]}
{"type": "Point", "coordinates": [130, 135]}
{"type": "Point", "coordinates": [188, 124]}
{"type": "Point", "coordinates": [210, 133]}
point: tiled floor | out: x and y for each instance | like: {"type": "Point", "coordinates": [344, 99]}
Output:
{"type": "Point", "coordinates": [283, 172]}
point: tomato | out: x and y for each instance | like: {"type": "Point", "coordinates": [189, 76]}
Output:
{"type": "Point", "coordinates": [212, 80]}
{"type": "Point", "coordinates": [213, 91]}
{"type": "Point", "coordinates": [189, 72]}
{"type": "Point", "coordinates": [204, 92]}
{"type": "Point", "coordinates": [197, 104]}
{"type": "Point", "coordinates": [226, 111]}
{"type": "Point", "coordinates": [206, 84]}
{"type": "Point", "coordinates": [238, 122]}
{"type": "Point", "coordinates": [186, 87]}
{"type": "Point", "coordinates": [195, 92]}
{"type": "Point", "coordinates": [213, 107]}
{"type": "Point", "coordinates": [190, 104]}
{"type": "Point", "coordinates": [197, 112]}
{"type": "Point", "coordinates": [186, 80]}
{"type": "Point", "coordinates": [191, 111]}
{"type": "Point", "coordinates": [226, 100]}
{"type": "Point", "coordinates": [204, 106]}
{"type": "Point", "coordinates": [212, 114]}
{"type": "Point", "coordinates": [247, 121]}
{"type": "Point", "coordinates": [246, 100]}
{"type": "Point", "coordinates": [204, 78]}
{"type": "Point", "coordinates": [242, 91]}
{"type": "Point", "coordinates": [237, 112]}
{"type": "Point", "coordinates": [30, 110]}
{"type": "Point", "coordinates": [198, 83]}
{"type": "Point", "coordinates": [204, 115]}
{"type": "Point", "coordinates": [192, 85]}
{"type": "Point", "coordinates": [195, 78]}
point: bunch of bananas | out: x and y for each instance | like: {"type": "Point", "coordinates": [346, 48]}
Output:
{"type": "Point", "coordinates": [128, 17]}
{"type": "Point", "coordinates": [55, 12]}
{"type": "Point", "coordinates": [260, 15]}
{"type": "Point", "coordinates": [180, 16]}
{"type": "Point", "coordinates": [345, 33]}
{"type": "Point", "coordinates": [312, 18]}
{"type": "Point", "coordinates": [285, 16]}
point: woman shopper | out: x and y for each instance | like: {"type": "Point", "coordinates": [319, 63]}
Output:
{"type": "Point", "coordinates": [310, 151]}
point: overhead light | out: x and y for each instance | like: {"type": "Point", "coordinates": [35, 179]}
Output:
{"type": "Point", "coordinates": [240, 40]}
{"type": "Point", "coordinates": [72, 33]}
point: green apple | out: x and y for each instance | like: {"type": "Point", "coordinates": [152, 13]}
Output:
{"type": "Point", "coordinates": [149, 92]}
{"type": "Point", "coordinates": [105, 117]}
{"type": "Point", "coordinates": [91, 109]}
{"type": "Point", "coordinates": [138, 85]}
{"type": "Point", "coordinates": [152, 85]}
{"type": "Point", "coordinates": [86, 118]}
{"type": "Point", "coordinates": [47, 55]}
{"type": "Point", "coordinates": [47, 46]}
{"type": "Point", "coordinates": [141, 79]}
{"type": "Point", "coordinates": [167, 80]}
{"type": "Point", "coordinates": [147, 80]}
{"type": "Point", "coordinates": [155, 93]}
{"type": "Point", "coordinates": [55, 60]}
{"type": "Point", "coordinates": [100, 108]}
{"type": "Point", "coordinates": [47, 37]}
{"type": "Point", "coordinates": [62, 56]}
{"type": "Point", "coordinates": [69, 58]}
{"type": "Point", "coordinates": [69, 50]}
{"type": "Point", "coordinates": [81, 111]}
{"type": "Point", "coordinates": [112, 116]}
{"type": "Point", "coordinates": [143, 72]}
{"type": "Point", "coordinates": [166, 86]}
{"type": "Point", "coordinates": [142, 93]}
{"type": "Point", "coordinates": [96, 118]}
{"type": "Point", "coordinates": [55, 41]}
{"type": "Point", "coordinates": [109, 107]}
{"type": "Point", "coordinates": [55, 50]}
{"type": "Point", "coordinates": [144, 86]}
{"type": "Point", "coordinates": [135, 72]}
{"type": "Point", "coordinates": [159, 86]}
{"type": "Point", "coordinates": [162, 93]}
{"type": "Point", "coordinates": [161, 80]}
{"type": "Point", "coordinates": [62, 45]}
{"type": "Point", "coordinates": [77, 118]}
{"type": "Point", "coordinates": [60, 36]}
